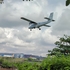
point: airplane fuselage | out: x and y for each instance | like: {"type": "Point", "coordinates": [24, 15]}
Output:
{"type": "Point", "coordinates": [32, 25]}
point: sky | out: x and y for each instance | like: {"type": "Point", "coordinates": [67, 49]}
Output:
{"type": "Point", "coordinates": [15, 37]}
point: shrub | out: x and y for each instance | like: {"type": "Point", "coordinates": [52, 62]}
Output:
{"type": "Point", "coordinates": [56, 63]}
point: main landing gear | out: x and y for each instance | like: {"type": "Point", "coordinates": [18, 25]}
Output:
{"type": "Point", "coordinates": [31, 29]}
{"type": "Point", "coordinates": [39, 28]}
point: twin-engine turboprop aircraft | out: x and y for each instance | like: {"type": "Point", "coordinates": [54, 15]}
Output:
{"type": "Point", "coordinates": [34, 25]}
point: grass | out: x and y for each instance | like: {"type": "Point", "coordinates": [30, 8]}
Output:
{"type": "Point", "coordinates": [49, 63]}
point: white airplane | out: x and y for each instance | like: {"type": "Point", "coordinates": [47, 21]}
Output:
{"type": "Point", "coordinates": [34, 25]}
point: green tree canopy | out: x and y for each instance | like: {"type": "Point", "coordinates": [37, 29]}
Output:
{"type": "Point", "coordinates": [62, 46]}
{"type": "Point", "coordinates": [67, 2]}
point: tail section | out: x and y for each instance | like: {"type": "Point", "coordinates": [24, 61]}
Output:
{"type": "Point", "coordinates": [50, 17]}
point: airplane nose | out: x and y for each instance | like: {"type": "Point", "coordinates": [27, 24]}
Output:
{"type": "Point", "coordinates": [29, 27]}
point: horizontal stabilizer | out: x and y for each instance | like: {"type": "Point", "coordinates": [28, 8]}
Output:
{"type": "Point", "coordinates": [49, 19]}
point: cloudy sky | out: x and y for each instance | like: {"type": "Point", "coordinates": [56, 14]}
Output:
{"type": "Point", "coordinates": [15, 37]}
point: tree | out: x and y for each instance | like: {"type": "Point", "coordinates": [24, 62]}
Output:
{"type": "Point", "coordinates": [67, 2]}
{"type": "Point", "coordinates": [63, 46]}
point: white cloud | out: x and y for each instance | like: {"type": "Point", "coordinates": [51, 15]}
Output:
{"type": "Point", "coordinates": [21, 39]}
{"type": "Point", "coordinates": [48, 37]}
{"type": "Point", "coordinates": [62, 23]}
{"type": "Point", "coordinates": [59, 10]}
{"type": "Point", "coordinates": [28, 42]}
{"type": "Point", "coordinates": [10, 12]}
{"type": "Point", "coordinates": [14, 10]}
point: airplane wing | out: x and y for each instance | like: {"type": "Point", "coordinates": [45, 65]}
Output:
{"type": "Point", "coordinates": [28, 20]}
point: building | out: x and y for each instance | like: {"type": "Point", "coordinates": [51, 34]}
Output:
{"type": "Point", "coordinates": [21, 55]}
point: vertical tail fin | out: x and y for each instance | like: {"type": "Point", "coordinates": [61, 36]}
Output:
{"type": "Point", "coordinates": [50, 17]}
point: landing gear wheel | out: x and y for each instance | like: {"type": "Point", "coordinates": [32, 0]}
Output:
{"type": "Point", "coordinates": [39, 28]}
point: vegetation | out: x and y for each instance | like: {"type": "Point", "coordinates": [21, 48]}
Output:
{"type": "Point", "coordinates": [62, 46]}
{"type": "Point", "coordinates": [56, 63]}
{"type": "Point", "coordinates": [58, 59]}
{"type": "Point", "coordinates": [67, 2]}
{"type": "Point", "coordinates": [49, 63]}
